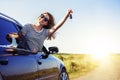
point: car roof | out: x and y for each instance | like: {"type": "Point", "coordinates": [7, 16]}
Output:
{"type": "Point", "coordinates": [10, 19]}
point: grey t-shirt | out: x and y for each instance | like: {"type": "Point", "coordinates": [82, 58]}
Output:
{"type": "Point", "coordinates": [35, 40]}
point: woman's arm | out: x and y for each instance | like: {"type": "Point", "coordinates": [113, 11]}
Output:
{"type": "Point", "coordinates": [57, 26]}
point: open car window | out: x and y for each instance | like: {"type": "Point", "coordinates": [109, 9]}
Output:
{"type": "Point", "coordinates": [6, 29]}
{"type": "Point", "coordinates": [13, 38]}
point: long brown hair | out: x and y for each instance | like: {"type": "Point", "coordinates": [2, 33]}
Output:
{"type": "Point", "coordinates": [51, 23]}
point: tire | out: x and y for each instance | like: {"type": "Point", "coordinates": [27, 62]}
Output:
{"type": "Point", "coordinates": [64, 75]}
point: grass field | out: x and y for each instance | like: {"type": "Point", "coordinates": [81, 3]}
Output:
{"type": "Point", "coordinates": [77, 64]}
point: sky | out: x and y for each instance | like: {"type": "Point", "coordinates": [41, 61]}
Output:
{"type": "Point", "coordinates": [95, 27]}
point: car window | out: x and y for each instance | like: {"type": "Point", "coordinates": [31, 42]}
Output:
{"type": "Point", "coordinates": [6, 28]}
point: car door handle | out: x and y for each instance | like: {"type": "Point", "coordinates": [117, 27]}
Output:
{"type": "Point", "coordinates": [39, 62]}
{"type": "Point", "coordinates": [3, 61]}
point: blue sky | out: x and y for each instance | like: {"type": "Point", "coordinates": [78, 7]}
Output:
{"type": "Point", "coordinates": [95, 27]}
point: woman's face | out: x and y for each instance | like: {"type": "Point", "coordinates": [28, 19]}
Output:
{"type": "Point", "coordinates": [43, 19]}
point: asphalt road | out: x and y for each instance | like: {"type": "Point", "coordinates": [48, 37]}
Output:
{"type": "Point", "coordinates": [109, 69]}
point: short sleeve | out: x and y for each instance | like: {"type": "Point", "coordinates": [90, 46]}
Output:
{"type": "Point", "coordinates": [46, 32]}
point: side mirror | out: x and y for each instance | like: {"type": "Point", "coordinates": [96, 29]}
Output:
{"type": "Point", "coordinates": [50, 50]}
{"type": "Point", "coordinates": [53, 50]}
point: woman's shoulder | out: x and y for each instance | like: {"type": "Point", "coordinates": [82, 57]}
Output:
{"type": "Point", "coordinates": [28, 25]}
{"type": "Point", "coordinates": [45, 31]}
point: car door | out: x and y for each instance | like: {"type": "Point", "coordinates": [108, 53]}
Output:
{"type": "Point", "coordinates": [47, 67]}
{"type": "Point", "coordinates": [13, 65]}
{"type": "Point", "coordinates": [18, 67]}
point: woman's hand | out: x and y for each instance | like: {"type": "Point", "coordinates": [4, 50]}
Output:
{"type": "Point", "coordinates": [69, 11]}
{"type": "Point", "coordinates": [57, 26]}
{"type": "Point", "coordinates": [13, 35]}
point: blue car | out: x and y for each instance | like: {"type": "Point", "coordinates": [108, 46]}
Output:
{"type": "Point", "coordinates": [17, 62]}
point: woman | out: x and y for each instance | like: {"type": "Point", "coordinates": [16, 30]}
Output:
{"type": "Point", "coordinates": [43, 28]}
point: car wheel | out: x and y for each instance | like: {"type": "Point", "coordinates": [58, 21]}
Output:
{"type": "Point", "coordinates": [63, 75]}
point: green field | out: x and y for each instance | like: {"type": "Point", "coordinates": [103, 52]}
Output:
{"type": "Point", "coordinates": [78, 64]}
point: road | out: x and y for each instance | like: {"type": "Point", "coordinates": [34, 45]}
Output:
{"type": "Point", "coordinates": [109, 69]}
